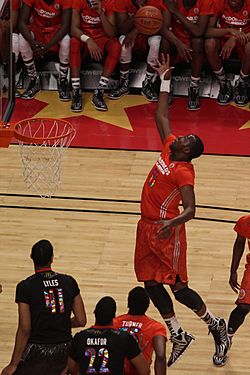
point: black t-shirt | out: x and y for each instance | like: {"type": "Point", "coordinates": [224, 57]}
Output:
{"type": "Point", "coordinates": [50, 296]}
{"type": "Point", "coordinates": [103, 350]}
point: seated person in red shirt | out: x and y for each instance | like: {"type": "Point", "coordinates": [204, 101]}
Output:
{"type": "Point", "coordinates": [93, 31]}
{"type": "Point", "coordinates": [150, 334]}
{"type": "Point", "coordinates": [44, 26]}
{"type": "Point", "coordinates": [228, 31]}
{"type": "Point", "coordinates": [188, 20]}
{"type": "Point", "coordinates": [131, 41]}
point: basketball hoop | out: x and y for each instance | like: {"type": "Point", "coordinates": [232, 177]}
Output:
{"type": "Point", "coordinates": [42, 142]}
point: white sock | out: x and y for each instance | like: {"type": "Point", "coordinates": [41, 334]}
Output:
{"type": "Point", "coordinates": [173, 326]}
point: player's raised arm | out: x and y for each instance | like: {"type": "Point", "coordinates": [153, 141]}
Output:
{"type": "Point", "coordinates": [164, 71]}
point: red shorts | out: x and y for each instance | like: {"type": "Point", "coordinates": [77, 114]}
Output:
{"type": "Point", "coordinates": [160, 260]}
{"type": "Point", "coordinates": [45, 35]}
{"type": "Point", "coordinates": [101, 41]}
{"type": "Point", "coordinates": [239, 49]}
{"type": "Point", "coordinates": [244, 293]}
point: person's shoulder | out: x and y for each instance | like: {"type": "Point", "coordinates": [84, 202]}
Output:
{"type": "Point", "coordinates": [243, 220]}
{"type": "Point", "coordinates": [27, 281]}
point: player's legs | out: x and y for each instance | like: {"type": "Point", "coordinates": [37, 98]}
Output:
{"type": "Point", "coordinates": [125, 61]}
{"type": "Point", "coordinates": [112, 49]}
{"type": "Point", "coordinates": [240, 89]}
{"type": "Point", "coordinates": [28, 59]}
{"type": "Point", "coordinates": [197, 46]}
{"type": "Point", "coordinates": [75, 66]}
{"type": "Point", "coordinates": [213, 48]}
{"type": "Point", "coordinates": [147, 85]}
{"type": "Point", "coordinates": [63, 85]}
{"type": "Point", "coordinates": [217, 326]}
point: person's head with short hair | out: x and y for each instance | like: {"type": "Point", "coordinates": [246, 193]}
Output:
{"type": "Point", "coordinates": [105, 311]}
{"type": "Point", "coordinates": [138, 301]}
{"type": "Point", "coordinates": [42, 253]}
{"type": "Point", "coordinates": [235, 4]}
{"type": "Point", "coordinates": [186, 147]}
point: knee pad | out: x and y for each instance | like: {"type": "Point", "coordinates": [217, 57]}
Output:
{"type": "Point", "coordinates": [15, 45]}
{"type": "Point", "coordinates": [126, 53]}
{"type": "Point", "coordinates": [154, 47]}
{"type": "Point", "coordinates": [160, 298]}
{"type": "Point", "coordinates": [64, 49]}
{"type": "Point", "coordinates": [189, 298]}
{"type": "Point", "coordinates": [25, 48]}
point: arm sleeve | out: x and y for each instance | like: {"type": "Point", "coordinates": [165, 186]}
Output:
{"type": "Point", "coordinates": [207, 8]}
{"type": "Point", "coordinates": [242, 226]}
{"type": "Point", "coordinates": [167, 142]}
{"type": "Point", "coordinates": [22, 294]}
{"type": "Point", "coordinates": [75, 287]}
{"type": "Point", "coordinates": [66, 4]}
{"type": "Point", "coordinates": [76, 4]}
{"type": "Point", "coordinates": [120, 6]}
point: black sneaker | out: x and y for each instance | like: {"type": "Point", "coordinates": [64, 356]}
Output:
{"type": "Point", "coordinates": [98, 101]}
{"type": "Point", "coordinates": [220, 361]}
{"type": "Point", "coordinates": [240, 93]}
{"type": "Point", "coordinates": [120, 91]}
{"type": "Point", "coordinates": [63, 89]}
{"type": "Point", "coordinates": [148, 91]}
{"type": "Point", "coordinates": [180, 343]}
{"type": "Point", "coordinates": [193, 99]}
{"type": "Point", "coordinates": [33, 88]}
{"type": "Point", "coordinates": [226, 93]}
{"type": "Point", "coordinates": [76, 103]}
{"type": "Point", "coordinates": [221, 339]}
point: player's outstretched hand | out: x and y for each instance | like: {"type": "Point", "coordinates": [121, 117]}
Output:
{"type": "Point", "coordinates": [233, 282]}
{"type": "Point", "coordinates": [165, 229]}
{"type": "Point", "coordinates": [162, 68]}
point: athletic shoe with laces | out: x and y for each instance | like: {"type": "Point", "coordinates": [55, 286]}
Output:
{"type": "Point", "coordinates": [226, 93]}
{"type": "Point", "coordinates": [221, 339]}
{"type": "Point", "coordinates": [240, 93]}
{"type": "Point", "coordinates": [63, 89]}
{"type": "Point", "coordinates": [180, 343]}
{"type": "Point", "coordinates": [193, 99]}
{"type": "Point", "coordinates": [33, 88]}
{"type": "Point", "coordinates": [98, 101]}
{"type": "Point", "coordinates": [76, 104]}
{"type": "Point", "coordinates": [148, 91]}
{"type": "Point", "coordinates": [120, 91]}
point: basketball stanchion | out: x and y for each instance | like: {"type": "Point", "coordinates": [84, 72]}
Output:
{"type": "Point", "coordinates": [42, 143]}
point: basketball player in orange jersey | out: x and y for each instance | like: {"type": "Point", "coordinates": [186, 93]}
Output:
{"type": "Point", "coordinates": [93, 31]}
{"type": "Point", "coordinates": [228, 31]}
{"type": "Point", "coordinates": [237, 316]}
{"type": "Point", "coordinates": [188, 20]}
{"type": "Point", "coordinates": [44, 26]}
{"type": "Point", "coordinates": [160, 254]}
{"type": "Point", "coordinates": [150, 334]}
{"type": "Point", "coordinates": [45, 301]}
{"type": "Point", "coordinates": [132, 40]}
{"type": "Point", "coordinates": [15, 38]}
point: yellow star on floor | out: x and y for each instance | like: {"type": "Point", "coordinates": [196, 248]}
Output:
{"type": "Point", "coordinates": [246, 108]}
{"type": "Point", "coordinates": [116, 114]}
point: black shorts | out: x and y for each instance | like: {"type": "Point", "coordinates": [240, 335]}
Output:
{"type": "Point", "coordinates": [43, 359]}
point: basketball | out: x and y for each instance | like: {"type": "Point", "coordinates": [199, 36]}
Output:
{"type": "Point", "coordinates": [148, 20]}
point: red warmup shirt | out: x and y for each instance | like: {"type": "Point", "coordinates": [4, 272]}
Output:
{"type": "Point", "coordinates": [91, 23]}
{"type": "Point", "coordinates": [161, 192]}
{"type": "Point", "coordinates": [229, 18]}
{"type": "Point", "coordinates": [201, 8]}
{"type": "Point", "coordinates": [242, 227]}
{"type": "Point", "coordinates": [144, 329]}
{"type": "Point", "coordinates": [127, 6]}
{"type": "Point", "coordinates": [15, 4]}
{"type": "Point", "coordinates": [44, 15]}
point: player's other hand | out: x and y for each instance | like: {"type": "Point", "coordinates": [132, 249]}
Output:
{"type": "Point", "coordinates": [162, 68]}
{"type": "Point", "coordinates": [9, 370]}
{"type": "Point", "coordinates": [94, 50]}
{"type": "Point", "coordinates": [233, 282]}
{"type": "Point", "coordinates": [129, 39]}
{"type": "Point", "coordinates": [184, 52]}
{"type": "Point", "coordinates": [239, 35]}
{"type": "Point", "coordinates": [228, 47]}
{"type": "Point", "coordinates": [165, 229]}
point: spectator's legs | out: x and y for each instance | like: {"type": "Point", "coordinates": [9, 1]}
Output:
{"type": "Point", "coordinates": [27, 56]}
{"type": "Point", "coordinates": [197, 46]}
{"type": "Point", "coordinates": [63, 85]}
{"type": "Point", "coordinates": [240, 93]}
{"type": "Point", "coordinates": [212, 48]}
{"type": "Point", "coordinates": [15, 48]}
{"type": "Point", "coordinates": [147, 85]}
{"type": "Point", "coordinates": [75, 65]}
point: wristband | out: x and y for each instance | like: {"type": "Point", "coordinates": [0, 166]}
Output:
{"type": "Point", "coordinates": [165, 85]}
{"type": "Point", "coordinates": [84, 38]}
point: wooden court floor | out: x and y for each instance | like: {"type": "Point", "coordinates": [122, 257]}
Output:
{"type": "Point", "coordinates": [92, 223]}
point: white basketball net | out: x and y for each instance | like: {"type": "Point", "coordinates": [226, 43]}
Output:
{"type": "Point", "coordinates": [42, 154]}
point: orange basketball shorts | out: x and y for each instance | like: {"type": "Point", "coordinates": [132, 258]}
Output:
{"type": "Point", "coordinates": [160, 260]}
